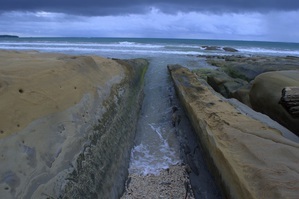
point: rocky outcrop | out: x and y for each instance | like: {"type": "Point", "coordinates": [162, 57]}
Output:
{"type": "Point", "coordinates": [225, 85]}
{"type": "Point", "coordinates": [69, 124]}
{"type": "Point", "coordinates": [214, 48]}
{"type": "Point", "coordinates": [240, 149]}
{"type": "Point", "coordinates": [248, 68]}
{"type": "Point", "coordinates": [265, 95]}
{"type": "Point", "coordinates": [230, 49]}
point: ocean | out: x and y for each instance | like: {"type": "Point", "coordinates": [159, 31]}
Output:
{"type": "Point", "coordinates": [156, 146]}
{"type": "Point", "coordinates": [146, 47]}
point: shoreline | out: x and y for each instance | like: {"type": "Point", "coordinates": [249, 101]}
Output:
{"type": "Point", "coordinates": [83, 98]}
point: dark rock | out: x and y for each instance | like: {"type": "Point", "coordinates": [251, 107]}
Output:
{"type": "Point", "coordinates": [9, 36]}
{"type": "Point", "coordinates": [229, 49]}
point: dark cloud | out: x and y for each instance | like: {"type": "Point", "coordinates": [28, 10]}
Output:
{"type": "Point", "coordinates": [119, 7]}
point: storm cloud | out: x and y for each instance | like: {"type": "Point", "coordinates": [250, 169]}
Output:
{"type": "Point", "coordinates": [261, 20]}
{"type": "Point", "coordinates": [122, 7]}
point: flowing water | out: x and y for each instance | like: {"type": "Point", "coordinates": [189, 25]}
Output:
{"type": "Point", "coordinates": [158, 144]}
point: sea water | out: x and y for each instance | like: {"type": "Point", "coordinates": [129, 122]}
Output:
{"type": "Point", "coordinates": [147, 47]}
{"type": "Point", "coordinates": [156, 145]}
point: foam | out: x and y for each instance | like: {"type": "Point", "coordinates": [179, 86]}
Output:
{"type": "Point", "coordinates": [151, 160]}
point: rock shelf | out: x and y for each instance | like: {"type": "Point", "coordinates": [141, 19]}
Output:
{"type": "Point", "coordinates": [67, 124]}
{"type": "Point", "coordinates": [248, 158]}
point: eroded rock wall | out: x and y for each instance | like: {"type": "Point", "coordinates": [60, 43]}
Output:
{"type": "Point", "coordinates": [248, 158]}
{"type": "Point", "coordinates": [68, 124]}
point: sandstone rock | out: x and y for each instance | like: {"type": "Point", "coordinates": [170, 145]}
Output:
{"type": "Point", "coordinates": [242, 94]}
{"type": "Point", "coordinates": [224, 84]}
{"type": "Point", "coordinates": [68, 124]}
{"type": "Point", "coordinates": [265, 95]}
{"type": "Point", "coordinates": [290, 100]}
{"type": "Point", "coordinates": [249, 158]}
{"type": "Point", "coordinates": [248, 68]}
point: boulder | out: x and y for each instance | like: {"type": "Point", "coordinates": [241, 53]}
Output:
{"type": "Point", "coordinates": [265, 95]}
{"type": "Point", "coordinates": [229, 49]}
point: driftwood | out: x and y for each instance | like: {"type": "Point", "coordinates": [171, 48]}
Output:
{"type": "Point", "coordinates": [290, 100]}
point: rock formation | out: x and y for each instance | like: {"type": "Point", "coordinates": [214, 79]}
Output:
{"type": "Point", "coordinates": [230, 49]}
{"type": "Point", "coordinates": [60, 125]}
{"type": "Point", "coordinates": [265, 95]}
{"type": "Point", "coordinates": [249, 158]}
{"type": "Point", "coordinates": [248, 68]}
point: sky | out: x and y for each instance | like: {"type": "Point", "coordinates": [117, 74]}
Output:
{"type": "Point", "coordinates": [258, 20]}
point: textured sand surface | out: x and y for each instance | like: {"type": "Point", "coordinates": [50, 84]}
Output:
{"type": "Point", "coordinates": [47, 102]}
{"type": "Point", "coordinates": [251, 159]}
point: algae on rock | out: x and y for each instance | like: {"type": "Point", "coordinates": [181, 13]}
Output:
{"type": "Point", "coordinates": [101, 172]}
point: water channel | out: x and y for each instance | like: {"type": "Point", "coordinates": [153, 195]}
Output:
{"type": "Point", "coordinates": [158, 144]}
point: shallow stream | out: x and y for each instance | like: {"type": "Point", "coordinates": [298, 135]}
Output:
{"type": "Point", "coordinates": [158, 144]}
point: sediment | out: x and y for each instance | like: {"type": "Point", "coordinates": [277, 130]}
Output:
{"type": "Point", "coordinates": [170, 183]}
{"type": "Point", "coordinates": [248, 158]}
{"type": "Point", "coordinates": [69, 124]}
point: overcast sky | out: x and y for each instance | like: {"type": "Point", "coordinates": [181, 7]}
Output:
{"type": "Point", "coordinates": [268, 20]}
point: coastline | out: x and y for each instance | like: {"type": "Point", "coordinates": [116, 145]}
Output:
{"type": "Point", "coordinates": [85, 108]}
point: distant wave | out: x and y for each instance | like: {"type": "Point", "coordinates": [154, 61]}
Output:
{"type": "Point", "coordinates": [257, 50]}
{"type": "Point", "coordinates": [143, 48]}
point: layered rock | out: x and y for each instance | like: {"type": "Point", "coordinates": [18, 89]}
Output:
{"type": "Point", "coordinates": [265, 95]}
{"type": "Point", "coordinates": [248, 68]}
{"type": "Point", "coordinates": [225, 85]}
{"type": "Point", "coordinates": [68, 124]}
{"type": "Point", "coordinates": [249, 158]}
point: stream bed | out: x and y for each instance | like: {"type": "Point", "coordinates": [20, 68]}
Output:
{"type": "Point", "coordinates": [164, 154]}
